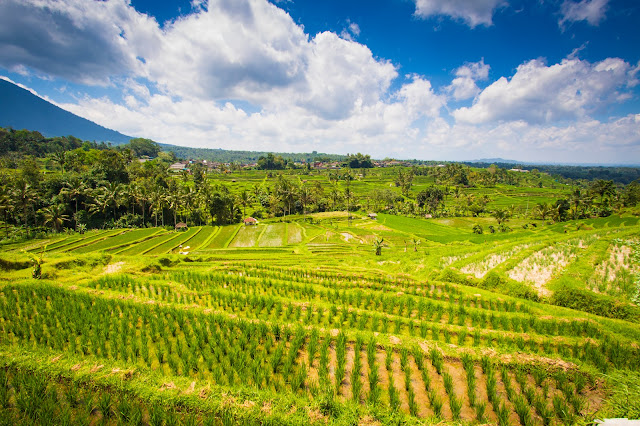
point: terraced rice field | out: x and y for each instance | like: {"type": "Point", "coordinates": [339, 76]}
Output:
{"type": "Point", "coordinates": [298, 324]}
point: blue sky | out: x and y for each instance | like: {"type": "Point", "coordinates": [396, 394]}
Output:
{"type": "Point", "coordinates": [541, 80]}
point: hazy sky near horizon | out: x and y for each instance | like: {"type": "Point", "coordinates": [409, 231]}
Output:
{"type": "Point", "coordinates": [536, 80]}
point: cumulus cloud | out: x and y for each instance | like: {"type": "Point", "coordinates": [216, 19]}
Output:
{"type": "Point", "coordinates": [233, 49]}
{"type": "Point", "coordinates": [419, 99]}
{"type": "Point", "coordinates": [472, 12]}
{"type": "Point", "coordinates": [340, 75]}
{"type": "Point", "coordinates": [86, 42]}
{"type": "Point", "coordinates": [538, 93]}
{"type": "Point", "coordinates": [248, 50]}
{"type": "Point", "coordinates": [464, 85]}
{"type": "Point", "coordinates": [189, 81]}
{"type": "Point", "coordinates": [592, 11]}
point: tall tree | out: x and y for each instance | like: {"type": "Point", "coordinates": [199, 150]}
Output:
{"type": "Point", "coordinates": [54, 215]}
{"type": "Point", "coordinates": [74, 189]}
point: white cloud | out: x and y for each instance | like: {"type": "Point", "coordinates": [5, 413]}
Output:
{"type": "Point", "coordinates": [187, 83]}
{"type": "Point", "coordinates": [472, 12]}
{"type": "Point", "coordinates": [464, 85]}
{"type": "Point", "coordinates": [340, 75]}
{"type": "Point", "coordinates": [234, 49]}
{"type": "Point", "coordinates": [419, 99]}
{"type": "Point", "coordinates": [538, 93]}
{"type": "Point", "coordinates": [86, 42]}
{"type": "Point", "coordinates": [592, 11]}
{"type": "Point", "coordinates": [351, 32]}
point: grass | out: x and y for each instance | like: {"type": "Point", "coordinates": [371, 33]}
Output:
{"type": "Point", "coordinates": [247, 236]}
{"type": "Point", "coordinates": [223, 237]}
{"type": "Point", "coordinates": [274, 235]}
{"type": "Point", "coordinates": [261, 320]}
{"type": "Point", "coordinates": [117, 241]}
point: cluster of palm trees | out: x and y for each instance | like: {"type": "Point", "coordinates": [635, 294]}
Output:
{"type": "Point", "coordinates": [600, 199]}
{"type": "Point", "coordinates": [123, 193]}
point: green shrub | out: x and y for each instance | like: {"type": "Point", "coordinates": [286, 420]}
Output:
{"type": "Point", "coordinates": [597, 304]}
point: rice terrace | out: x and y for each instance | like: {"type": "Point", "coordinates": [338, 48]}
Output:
{"type": "Point", "coordinates": [395, 294]}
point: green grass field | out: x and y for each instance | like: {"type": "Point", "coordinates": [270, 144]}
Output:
{"type": "Point", "coordinates": [298, 323]}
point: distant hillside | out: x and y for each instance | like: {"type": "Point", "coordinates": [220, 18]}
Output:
{"type": "Point", "coordinates": [21, 109]}
{"type": "Point", "coordinates": [244, 157]}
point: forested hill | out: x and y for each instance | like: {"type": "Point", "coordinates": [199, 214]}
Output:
{"type": "Point", "coordinates": [245, 157]}
{"type": "Point", "coordinates": [619, 174]}
{"type": "Point", "coordinates": [20, 109]}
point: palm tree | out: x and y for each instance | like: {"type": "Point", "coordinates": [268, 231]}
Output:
{"type": "Point", "coordinates": [54, 216]}
{"type": "Point", "coordinates": [74, 189]}
{"type": "Point", "coordinates": [99, 204]}
{"type": "Point", "coordinates": [306, 197]}
{"type": "Point", "coordinates": [245, 199]}
{"type": "Point", "coordinates": [274, 201]}
{"type": "Point", "coordinates": [173, 202]}
{"type": "Point", "coordinates": [501, 215]}
{"type": "Point", "coordinates": [140, 194]}
{"type": "Point", "coordinates": [543, 210]}
{"type": "Point", "coordinates": [334, 196]}
{"type": "Point", "coordinates": [285, 191]}
{"type": "Point", "coordinates": [112, 192]}
{"type": "Point", "coordinates": [5, 206]}
{"type": "Point", "coordinates": [156, 201]}
{"type": "Point", "coordinates": [60, 157]}
{"type": "Point", "coordinates": [189, 196]}
{"type": "Point", "coordinates": [24, 195]}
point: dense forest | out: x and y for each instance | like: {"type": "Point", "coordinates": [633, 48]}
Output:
{"type": "Point", "coordinates": [244, 157]}
{"type": "Point", "coordinates": [65, 183]}
{"type": "Point", "coordinates": [618, 174]}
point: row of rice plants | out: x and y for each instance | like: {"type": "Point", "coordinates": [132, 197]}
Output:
{"type": "Point", "coordinates": [336, 279]}
{"type": "Point", "coordinates": [124, 239]}
{"type": "Point", "coordinates": [277, 310]}
{"type": "Point", "coordinates": [144, 246]}
{"type": "Point", "coordinates": [86, 240]}
{"type": "Point", "coordinates": [538, 268]}
{"type": "Point", "coordinates": [200, 239]}
{"type": "Point", "coordinates": [247, 236]}
{"type": "Point", "coordinates": [171, 243]}
{"type": "Point", "coordinates": [406, 306]}
{"type": "Point", "coordinates": [615, 274]}
{"type": "Point", "coordinates": [481, 268]}
{"type": "Point", "coordinates": [33, 397]}
{"type": "Point", "coordinates": [436, 290]}
{"type": "Point", "coordinates": [170, 341]}
{"type": "Point", "coordinates": [375, 300]}
{"type": "Point", "coordinates": [274, 235]}
{"type": "Point", "coordinates": [226, 352]}
{"type": "Point", "coordinates": [223, 237]}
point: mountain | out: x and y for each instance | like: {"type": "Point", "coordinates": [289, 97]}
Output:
{"type": "Point", "coordinates": [21, 109]}
{"type": "Point", "coordinates": [496, 161]}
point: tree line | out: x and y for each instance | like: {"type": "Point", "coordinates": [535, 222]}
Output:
{"type": "Point", "coordinates": [77, 185]}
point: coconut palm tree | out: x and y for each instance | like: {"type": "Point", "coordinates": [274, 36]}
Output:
{"type": "Point", "coordinates": [5, 206]}
{"type": "Point", "coordinates": [306, 197]}
{"type": "Point", "coordinates": [245, 199]}
{"type": "Point", "coordinates": [54, 216]}
{"type": "Point", "coordinates": [24, 196]}
{"type": "Point", "coordinates": [74, 189]}
{"type": "Point", "coordinates": [113, 194]}
{"type": "Point", "coordinates": [334, 196]}
{"type": "Point", "coordinates": [99, 203]}
{"type": "Point", "coordinates": [156, 202]}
